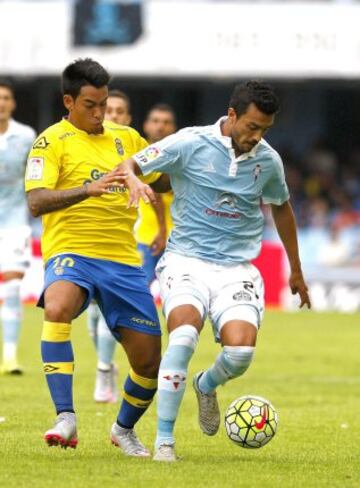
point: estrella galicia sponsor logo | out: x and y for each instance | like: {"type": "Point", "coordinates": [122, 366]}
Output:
{"type": "Point", "coordinates": [41, 143]}
{"type": "Point", "coordinates": [140, 321]}
{"type": "Point", "coordinates": [242, 296]}
{"type": "Point", "coordinates": [119, 147]}
{"type": "Point", "coordinates": [96, 174]}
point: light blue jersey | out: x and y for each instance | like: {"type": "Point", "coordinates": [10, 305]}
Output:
{"type": "Point", "coordinates": [216, 209]}
{"type": "Point", "coordinates": [15, 144]}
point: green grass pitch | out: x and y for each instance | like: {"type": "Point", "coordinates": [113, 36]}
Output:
{"type": "Point", "coordinates": [306, 364]}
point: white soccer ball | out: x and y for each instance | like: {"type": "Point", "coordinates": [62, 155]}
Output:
{"type": "Point", "coordinates": [251, 421]}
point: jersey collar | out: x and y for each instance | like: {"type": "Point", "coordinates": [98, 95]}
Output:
{"type": "Point", "coordinates": [71, 126]}
{"type": "Point", "coordinates": [226, 141]}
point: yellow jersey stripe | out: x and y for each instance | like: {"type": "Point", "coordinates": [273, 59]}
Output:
{"type": "Point", "coordinates": [56, 332]}
{"type": "Point", "coordinates": [148, 383]}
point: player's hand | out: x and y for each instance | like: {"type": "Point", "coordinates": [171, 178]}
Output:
{"type": "Point", "coordinates": [159, 243]}
{"type": "Point", "coordinates": [104, 184]}
{"type": "Point", "coordinates": [138, 189]}
{"type": "Point", "coordinates": [297, 285]}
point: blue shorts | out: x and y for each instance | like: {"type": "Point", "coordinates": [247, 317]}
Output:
{"type": "Point", "coordinates": [120, 290]}
{"type": "Point", "coordinates": [149, 261]}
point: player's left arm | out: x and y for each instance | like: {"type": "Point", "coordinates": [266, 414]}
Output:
{"type": "Point", "coordinates": [285, 223]}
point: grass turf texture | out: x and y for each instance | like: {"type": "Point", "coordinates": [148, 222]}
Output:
{"type": "Point", "coordinates": [306, 364]}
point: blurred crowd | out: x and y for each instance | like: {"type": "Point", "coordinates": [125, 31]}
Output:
{"type": "Point", "coordinates": [325, 194]}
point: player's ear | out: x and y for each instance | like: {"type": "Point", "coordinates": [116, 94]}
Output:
{"type": "Point", "coordinates": [68, 102]}
{"type": "Point", "coordinates": [232, 114]}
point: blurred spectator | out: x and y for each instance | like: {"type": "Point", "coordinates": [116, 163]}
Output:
{"type": "Point", "coordinates": [325, 194]}
{"type": "Point", "coordinates": [336, 251]}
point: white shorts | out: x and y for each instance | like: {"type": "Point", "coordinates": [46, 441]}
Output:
{"type": "Point", "coordinates": [222, 293]}
{"type": "Point", "coordinates": [15, 252]}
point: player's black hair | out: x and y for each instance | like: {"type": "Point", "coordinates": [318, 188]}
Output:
{"type": "Point", "coordinates": [83, 72]}
{"type": "Point", "coordinates": [162, 107]}
{"type": "Point", "coordinates": [121, 94]}
{"type": "Point", "coordinates": [5, 83]}
{"type": "Point", "coordinates": [261, 94]}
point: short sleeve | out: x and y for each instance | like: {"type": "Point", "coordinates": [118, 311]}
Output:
{"type": "Point", "coordinates": [139, 145]}
{"type": "Point", "coordinates": [43, 164]}
{"type": "Point", "coordinates": [166, 156]}
{"type": "Point", "coordinates": [275, 191]}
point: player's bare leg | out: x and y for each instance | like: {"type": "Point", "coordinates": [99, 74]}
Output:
{"type": "Point", "coordinates": [63, 301]}
{"type": "Point", "coordinates": [144, 354]}
{"type": "Point", "coordinates": [238, 339]}
{"type": "Point", "coordinates": [184, 325]}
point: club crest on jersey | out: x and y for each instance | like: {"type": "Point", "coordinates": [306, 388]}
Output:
{"type": "Point", "coordinates": [257, 171]}
{"type": "Point", "coordinates": [119, 147]}
{"type": "Point", "coordinates": [35, 169]}
{"type": "Point", "coordinates": [41, 143]}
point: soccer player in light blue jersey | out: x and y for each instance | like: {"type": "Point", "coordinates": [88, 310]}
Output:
{"type": "Point", "coordinates": [15, 142]}
{"type": "Point", "coordinates": [219, 175]}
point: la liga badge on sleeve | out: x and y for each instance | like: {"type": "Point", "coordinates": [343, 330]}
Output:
{"type": "Point", "coordinates": [35, 169]}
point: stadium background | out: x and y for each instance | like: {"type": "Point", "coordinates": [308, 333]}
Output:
{"type": "Point", "coordinates": [190, 54]}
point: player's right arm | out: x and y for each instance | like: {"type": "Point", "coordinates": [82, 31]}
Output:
{"type": "Point", "coordinates": [42, 174]}
{"type": "Point", "coordinates": [166, 156]}
{"type": "Point", "coordinates": [42, 200]}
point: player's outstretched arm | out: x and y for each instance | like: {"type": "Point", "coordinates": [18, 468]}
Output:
{"type": "Point", "coordinates": [284, 219]}
{"type": "Point", "coordinates": [128, 170]}
{"type": "Point", "coordinates": [43, 200]}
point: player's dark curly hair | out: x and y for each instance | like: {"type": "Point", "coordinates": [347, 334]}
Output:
{"type": "Point", "coordinates": [83, 72]}
{"type": "Point", "coordinates": [261, 94]}
{"type": "Point", "coordinates": [6, 83]}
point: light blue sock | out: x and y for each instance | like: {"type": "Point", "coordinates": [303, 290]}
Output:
{"type": "Point", "coordinates": [11, 314]}
{"type": "Point", "coordinates": [106, 343]}
{"type": "Point", "coordinates": [172, 380]}
{"type": "Point", "coordinates": [232, 362]}
{"type": "Point", "coordinates": [93, 315]}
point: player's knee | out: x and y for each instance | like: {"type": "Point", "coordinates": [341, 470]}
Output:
{"type": "Point", "coordinates": [237, 359]}
{"type": "Point", "coordinates": [179, 314]}
{"type": "Point", "coordinates": [56, 311]}
{"type": "Point", "coordinates": [148, 365]}
{"type": "Point", "coordinates": [11, 288]}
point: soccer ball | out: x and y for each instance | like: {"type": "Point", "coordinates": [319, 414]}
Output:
{"type": "Point", "coordinates": [251, 421]}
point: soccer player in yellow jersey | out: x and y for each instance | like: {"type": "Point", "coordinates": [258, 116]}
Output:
{"type": "Point", "coordinates": [155, 222]}
{"type": "Point", "coordinates": [90, 251]}
{"type": "Point", "coordinates": [106, 389]}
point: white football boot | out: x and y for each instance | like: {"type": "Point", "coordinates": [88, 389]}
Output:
{"type": "Point", "coordinates": [106, 390]}
{"type": "Point", "coordinates": [63, 433]}
{"type": "Point", "coordinates": [165, 453]}
{"type": "Point", "coordinates": [127, 440]}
